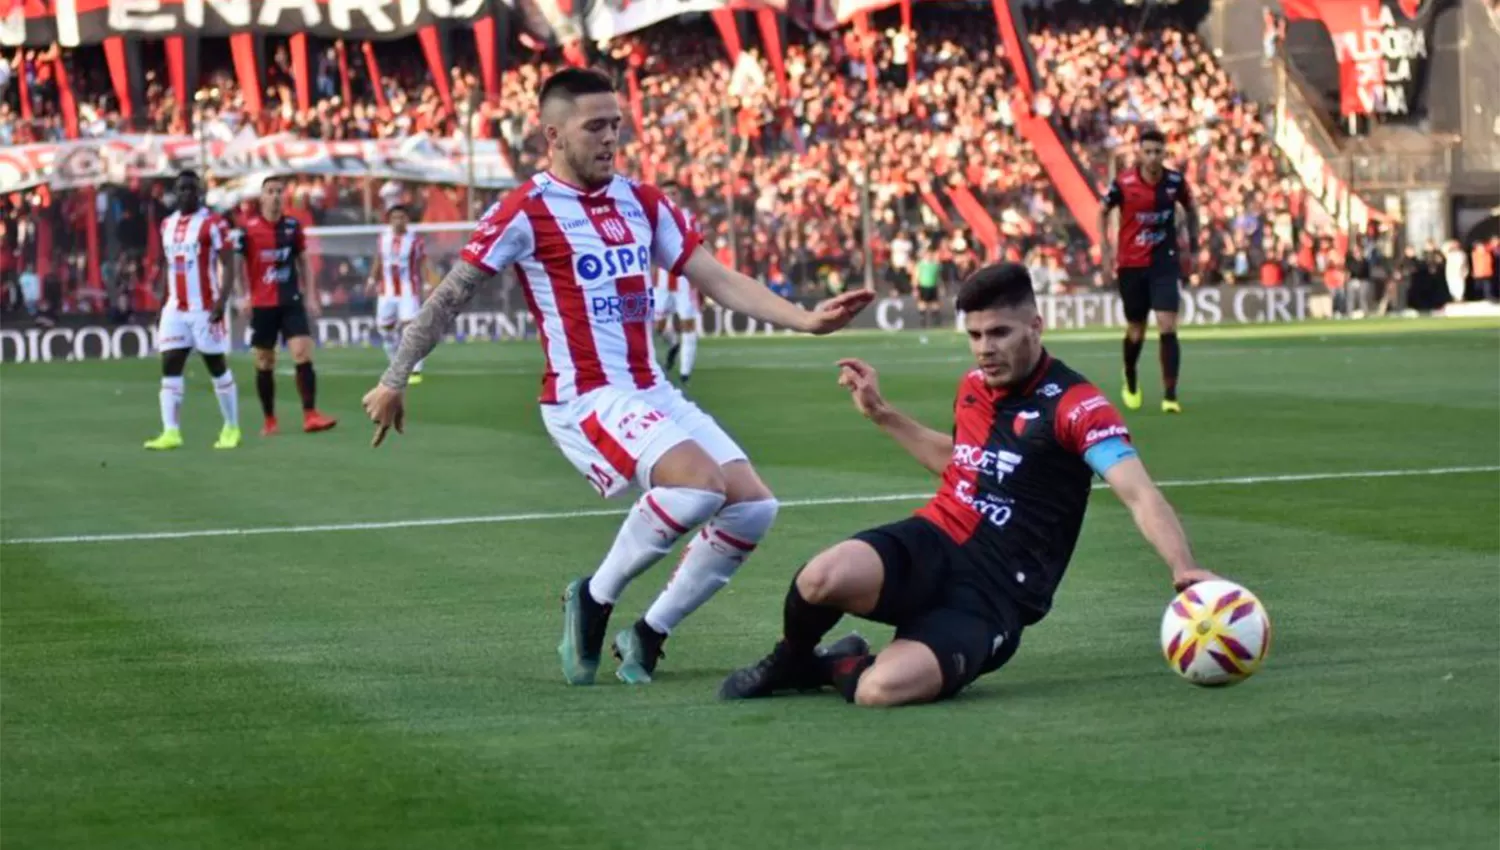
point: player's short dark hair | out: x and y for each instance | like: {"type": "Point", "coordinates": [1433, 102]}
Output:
{"type": "Point", "coordinates": [189, 174]}
{"type": "Point", "coordinates": [997, 286]}
{"type": "Point", "coordinates": [571, 83]}
{"type": "Point", "coordinates": [1151, 134]}
{"type": "Point", "coordinates": [397, 208]}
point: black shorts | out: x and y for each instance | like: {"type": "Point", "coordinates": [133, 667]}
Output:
{"type": "Point", "coordinates": [285, 321]}
{"type": "Point", "coordinates": [926, 595]}
{"type": "Point", "coordinates": [1144, 290]}
{"type": "Point", "coordinates": [928, 295]}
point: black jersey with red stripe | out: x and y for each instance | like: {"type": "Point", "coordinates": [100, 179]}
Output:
{"type": "Point", "coordinates": [1015, 490]}
{"type": "Point", "coordinates": [1148, 217]}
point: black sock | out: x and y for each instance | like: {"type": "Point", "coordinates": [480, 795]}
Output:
{"type": "Point", "coordinates": [1132, 357]}
{"type": "Point", "coordinates": [1171, 364]}
{"type": "Point", "coordinates": [803, 623]}
{"type": "Point", "coordinates": [846, 673]}
{"type": "Point", "coordinates": [265, 387]}
{"type": "Point", "coordinates": [307, 385]}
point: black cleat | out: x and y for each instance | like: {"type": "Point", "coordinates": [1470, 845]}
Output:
{"type": "Point", "coordinates": [788, 670]}
{"type": "Point", "coordinates": [672, 355]}
{"type": "Point", "coordinates": [638, 650]}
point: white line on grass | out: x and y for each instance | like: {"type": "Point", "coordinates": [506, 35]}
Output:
{"type": "Point", "coordinates": [603, 512]}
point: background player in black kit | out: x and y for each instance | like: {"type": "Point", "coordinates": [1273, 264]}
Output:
{"type": "Point", "coordinates": [963, 577]}
{"type": "Point", "coordinates": [1147, 197]}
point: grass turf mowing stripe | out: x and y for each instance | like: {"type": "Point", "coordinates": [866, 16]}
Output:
{"type": "Point", "coordinates": [601, 512]}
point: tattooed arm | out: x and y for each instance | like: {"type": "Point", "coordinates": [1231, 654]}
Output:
{"type": "Point", "coordinates": [432, 322]}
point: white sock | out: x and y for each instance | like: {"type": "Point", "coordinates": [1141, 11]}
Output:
{"type": "Point", "coordinates": [229, 398]}
{"type": "Point", "coordinates": [171, 402]}
{"type": "Point", "coordinates": [417, 369]}
{"type": "Point", "coordinates": [710, 560]}
{"type": "Point", "coordinates": [689, 352]}
{"type": "Point", "coordinates": [669, 335]}
{"type": "Point", "coordinates": [390, 340]}
{"type": "Point", "coordinates": [655, 524]}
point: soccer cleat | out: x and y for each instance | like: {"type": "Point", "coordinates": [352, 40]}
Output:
{"type": "Point", "coordinates": [787, 670]}
{"type": "Point", "coordinates": [313, 421]}
{"type": "Point", "coordinates": [229, 438]}
{"type": "Point", "coordinates": [171, 438]}
{"type": "Point", "coordinates": [270, 429]}
{"type": "Point", "coordinates": [638, 649]}
{"type": "Point", "coordinates": [416, 378]}
{"type": "Point", "coordinates": [584, 623]}
{"type": "Point", "coordinates": [1133, 400]}
{"type": "Point", "coordinates": [1170, 406]}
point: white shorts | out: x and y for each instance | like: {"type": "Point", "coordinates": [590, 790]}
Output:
{"type": "Point", "coordinates": [192, 329]}
{"type": "Point", "coordinates": [614, 437]}
{"type": "Point", "coordinates": [683, 303]}
{"type": "Point", "coordinates": [391, 310]}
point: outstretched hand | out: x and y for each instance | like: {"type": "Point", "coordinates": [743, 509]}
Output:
{"type": "Point", "coordinates": [838, 311]}
{"type": "Point", "coordinates": [387, 409]}
{"type": "Point", "coordinates": [863, 384]}
{"type": "Point", "coordinates": [1187, 578]}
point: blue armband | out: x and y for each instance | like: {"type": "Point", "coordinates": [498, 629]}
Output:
{"type": "Point", "coordinates": [1105, 454]}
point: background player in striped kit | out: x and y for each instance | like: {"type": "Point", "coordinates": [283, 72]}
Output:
{"type": "Point", "coordinates": [678, 311]}
{"type": "Point", "coordinates": [195, 285]}
{"type": "Point", "coordinates": [399, 277]}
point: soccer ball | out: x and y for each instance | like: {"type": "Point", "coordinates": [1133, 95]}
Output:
{"type": "Point", "coordinates": [1215, 633]}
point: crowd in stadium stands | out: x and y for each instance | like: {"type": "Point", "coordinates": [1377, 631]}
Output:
{"type": "Point", "coordinates": [852, 144]}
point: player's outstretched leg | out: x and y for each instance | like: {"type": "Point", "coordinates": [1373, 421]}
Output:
{"type": "Point", "coordinates": [708, 563]}
{"type": "Point", "coordinates": [1171, 361]}
{"type": "Point", "coordinates": [172, 365]}
{"type": "Point", "coordinates": [1135, 340]}
{"type": "Point", "coordinates": [229, 401]}
{"type": "Point", "coordinates": [844, 578]}
{"type": "Point", "coordinates": [688, 489]}
{"type": "Point", "coordinates": [307, 386]}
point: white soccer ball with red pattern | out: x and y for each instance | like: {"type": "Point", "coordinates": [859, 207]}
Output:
{"type": "Point", "coordinates": [1215, 633]}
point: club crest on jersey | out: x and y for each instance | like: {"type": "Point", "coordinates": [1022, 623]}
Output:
{"type": "Point", "coordinates": [614, 230]}
{"type": "Point", "coordinates": [1051, 391]}
{"type": "Point", "coordinates": [1024, 418]}
{"type": "Point", "coordinates": [614, 262]}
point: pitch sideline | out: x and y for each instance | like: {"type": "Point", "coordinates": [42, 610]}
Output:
{"type": "Point", "coordinates": [1237, 481]}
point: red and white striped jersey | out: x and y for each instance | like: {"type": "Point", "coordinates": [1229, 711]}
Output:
{"type": "Point", "coordinates": [401, 263]}
{"type": "Point", "coordinates": [582, 258]}
{"type": "Point", "coordinates": [190, 247]}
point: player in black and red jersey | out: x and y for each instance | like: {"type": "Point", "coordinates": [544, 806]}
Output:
{"type": "Point", "coordinates": [274, 249]}
{"type": "Point", "coordinates": [1146, 262]}
{"type": "Point", "coordinates": [979, 563]}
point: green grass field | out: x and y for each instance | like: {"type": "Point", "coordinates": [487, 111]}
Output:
{"type": "Point", "coordinates": [397, 686]}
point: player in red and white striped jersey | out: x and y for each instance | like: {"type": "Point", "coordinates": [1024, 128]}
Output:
{"type": "Point", "coordinates": [582, 241]}
{"type": "Point", "coordinates": [677, 314]}
{"type": "Point", "coordinates": [195, 286]}
{"type": "Point", "coordinates": [399, 277]}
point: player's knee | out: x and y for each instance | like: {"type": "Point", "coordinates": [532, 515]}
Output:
{"type": "Point", "coordinates": [174, 363]}
{"type": "Point", "coordinates": [265, 359]}
{"type": "Point", "coordinates": [1135, 331]}
{"type": "Point", "coordinates": [819, 582]}
{"type": "Point", "coordinates": [216, 364]}
{"type": "Point", "coordinates": [877, 689]}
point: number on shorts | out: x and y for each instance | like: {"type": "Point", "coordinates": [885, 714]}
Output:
{"type": "Point", "coordinates": [600, 478]}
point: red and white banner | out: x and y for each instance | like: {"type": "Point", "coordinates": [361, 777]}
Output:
{"type": "Point", "coordinates": [93, 162]}
{"type": "Point", "coordinates": [608, 19]}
